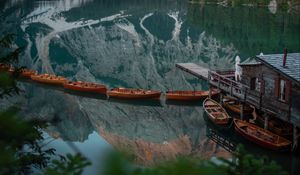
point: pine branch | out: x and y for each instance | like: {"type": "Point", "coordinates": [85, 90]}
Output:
{"type": "Point", "coordinates": [12, 56]}
{"type": "Point", "coordinates": [7, 40]}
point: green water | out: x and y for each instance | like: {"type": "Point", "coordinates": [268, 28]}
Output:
{"type": "Point", "coordinates": [123, 43]}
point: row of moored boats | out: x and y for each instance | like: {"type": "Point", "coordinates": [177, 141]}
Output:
{"type": "Point", "coordinates": [126, 93]}
{"type": "Point", "coordinates": [272, 140]}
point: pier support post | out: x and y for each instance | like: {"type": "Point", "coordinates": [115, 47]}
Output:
{"type": "Point", "coordinates": [266, 121]}
{"type": "Point", "coordinates": [221, 98]}
{"type": "Point", "coordinates": [295, 138]}
{"type": "Point", "coordinates": [209, 85]}
{"type": "Point", "coordinates": [242, 111]}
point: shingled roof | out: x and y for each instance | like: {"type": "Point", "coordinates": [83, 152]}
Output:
{"type": "Point", "coordinates": [292, 68]}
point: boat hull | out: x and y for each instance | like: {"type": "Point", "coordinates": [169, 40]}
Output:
{"type": "Point", "coordinates": [133, 94]}
{"type": "Point", "coordinates": [216, 113]}
{"type": "Point", "coordinates": [188, 95]}
{"type": "Point", "coordinates": [4, 67]}
{"type": "Point", "coordinates": [236, 108]}
{"type": "Point", "coordinates": [100, 89]}
{"type": "Point", "coordinates": [45, 80]}
{"type": "Point", "coordinates": [259, 141]}
{"type": "Point", "coordinates": [27, 73]}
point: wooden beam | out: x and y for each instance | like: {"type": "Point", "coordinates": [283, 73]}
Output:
{"type": "Point", "coordinates": [242, 111]}
{"type": "Point", "coordinates": [295, 138]}
{"type": "Point", "coordinates": [221, 98]}
{"type": "Point", "coordinates": [266, 121]}
{"type": "Point", "coordinates": [209, 85]}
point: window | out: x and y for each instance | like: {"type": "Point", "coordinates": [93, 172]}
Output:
{"type": "Point", "coordinates": [282, 90]}
{"type": "Point", "coordinates": [255, 84]}
{"type": "Point", "coordinates": [252, 83]}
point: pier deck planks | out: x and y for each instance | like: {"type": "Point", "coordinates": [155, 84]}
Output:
{"type": "Point", "coordinates": [194, 69]}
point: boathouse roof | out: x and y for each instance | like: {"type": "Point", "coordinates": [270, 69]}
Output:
{"type": "Point", "coordinates": [250, 63]}
{"type": "Point", "coordinates": [275, 62]}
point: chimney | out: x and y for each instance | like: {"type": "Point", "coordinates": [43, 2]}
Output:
{"type": "Point", "coordinates": [284, 57]}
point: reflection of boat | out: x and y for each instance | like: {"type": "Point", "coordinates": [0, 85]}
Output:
{"type": "Point", "coordinates": [220, 135]}
{"type": "Point", "coordinates": [215, 112]}
{"type": "Point", "coordinates": [183, 103]}
{"type": "Point", "coordinates": [235, 106]}
{"type": "Point", "coordinates": [89, 95]}
{"type": "Point", "coordinates": [85, 87]}
{"type": "Point", "coordinates": [276, 126]}
{"type": "Point", "coordinates": [189, 95]}
{"type": "Point", "coordinates": [49, 79]}
{"type": "Point", "coordinates": [149, 102]}
{"type": "Point", "coordinates": [261, 136]}
{"type": "Point", "coordinates": [133, 93]}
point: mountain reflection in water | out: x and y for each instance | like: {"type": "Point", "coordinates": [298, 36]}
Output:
{"type": "Point", "coordinates": [136, 44]}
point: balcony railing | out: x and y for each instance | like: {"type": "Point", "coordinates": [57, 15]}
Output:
{"type": "Point", "coordinates": [234, 88]}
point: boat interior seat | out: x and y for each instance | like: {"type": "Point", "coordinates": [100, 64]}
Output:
{"type": "Point", "coordinates": [212, 105]}
{"type": "Point", "coordinates": [216, 113]}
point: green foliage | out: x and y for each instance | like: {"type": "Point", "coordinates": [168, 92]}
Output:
{"type": "Point", "coordinates": [20, 144]}
{"type": "Point", "coordinates": [21, 141]}
{"type": "Point", "coordinates": [281, 3]}
{"type": "Point", "coordinates": [243, 163]}
{"type": "Point", "coordinates": [250, 33]}
{"type": "Point", "coordinates": [8, 85]}
{"type": "Point", "coordinates": [185, 166]}
{"type": "Point", "coordinates": [119, 163]}
{"type": "Point", "coordinates": [247, 164]}
{"type": "Point", "coordinates": [20, 148]}
{"type": "Point", "coordinates": [71, 165]}
{"type": "Point", "coordinates": [8, 54]}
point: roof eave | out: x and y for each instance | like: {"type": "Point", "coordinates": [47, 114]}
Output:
{"type": "Point", "coordinates": [250, 64]}
{"type": "Point", "coordinates": [277, 70]}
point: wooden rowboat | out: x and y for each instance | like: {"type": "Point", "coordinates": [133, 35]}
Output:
{"type": "Point", "coordinates": [85, 87]}
{"type": "Point", "coordinates": [216, 113]}
{"type": "Point", "coordinates": [49, 79]}
{"type": "Point", "coordinates": [261, 136]}
{"type": "Point", "coordinates": [26, 73]}
{"type": "Point", "coordinates": [276, 126]}
{"type": "Point", "coordinates": [235, 106]}
{"type": "Point", "coordinates": [4, 67]}
{"type": "Point", "coordinates": [189, 95]}
{"type": "Point", "coordinates": [133, 93]}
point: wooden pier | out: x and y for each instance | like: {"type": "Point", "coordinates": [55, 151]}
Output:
{"type": "Point", "coordinates": [246, 93]}
{"type": "Point", "coordinates": [194, 69]}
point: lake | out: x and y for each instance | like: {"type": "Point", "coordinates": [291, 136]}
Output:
{"type": "Point", "coordinates": [136, 44]}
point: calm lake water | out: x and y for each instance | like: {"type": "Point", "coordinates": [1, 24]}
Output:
{"type": "Point", "coordinates": [127, 43]}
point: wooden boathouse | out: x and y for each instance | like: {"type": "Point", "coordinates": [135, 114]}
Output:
{"type": "Point", "coordinates": [271, 84]}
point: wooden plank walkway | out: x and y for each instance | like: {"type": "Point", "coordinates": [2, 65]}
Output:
{"type": "Point", "coordinates": [194, 69]}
